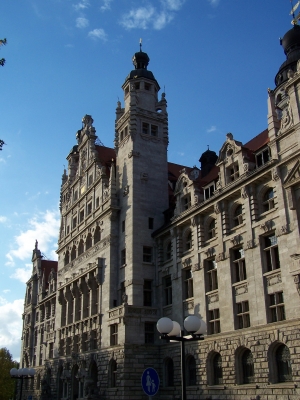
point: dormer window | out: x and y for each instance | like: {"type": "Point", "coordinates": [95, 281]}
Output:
{"type": "Point", "coordinates": [186, 202]}
{"type": "Point", "coordinates": [233, 172]}
{"type": "Point", "coordinates": [209, 191]}
{"type": "Point", "coordinates": [263, 157]}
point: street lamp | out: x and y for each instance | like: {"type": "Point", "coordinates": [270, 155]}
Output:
{"type": "Point", "coordinates": [171, 330]}
{"type": "Point", "coordinates": [22, 373]}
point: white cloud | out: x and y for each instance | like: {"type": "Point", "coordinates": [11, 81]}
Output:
{"type": "Point", "coordinates": [151, 17]}
{"type": "Point", "coordinates": [11, 325]}
{"type": "Point", "coordinates": [173, 5]}
{"type": "Point", "coordinates": [98, 34]}
{"type": "Point", "coordinates": [2, 219]}
{"type": "Point", "coordinates": [22, 274]}
{"type": "Point", "coordinates": [213, 128]}
{"type": "Point", "coordinates": [81, 5]}
{"type": "Point", "coordinates": [43, 227]}
{"type": "Point", "coordinates": [106, 5]}
{"type": "Point", "coordinates": [6, 290]}
{"type": "Point", "coordinates": [138, 18]}
{"type": "Point", "coordinates": [82, 22]}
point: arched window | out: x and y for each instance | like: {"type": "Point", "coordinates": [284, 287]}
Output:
{"type": "Point", "coordinates": [168, 372]}
{"type": "Point", "coordinates": [191, 371]}
{"type": "Point", "coordinates": [88, 242]}
{"type": "Point", "coordinates": [217, 369]}
{"type": "Point", "coordinates": [211, 232]}
{"type": "Point", "coordinates": [247, 367]}
{"type": "Point", "coordinates": [283, 363]}
{"type": "Point", "coordinates": [268, 200]}
{"type": "Point", "coordinates": [97, 235]}
{"type": "Point", "coordinates": [112, 378]}
{"type": "Point", "coordinates": [67, 258]}
{"type": "Point", "coordinates": [80, 247]}
{"type": "Point", "coordinates": [238, 216]}
{"type": "Point", "coordinates": [73, 253]}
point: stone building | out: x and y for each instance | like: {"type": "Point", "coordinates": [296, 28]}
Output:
{"type": "Point", "coordinates": [142, 238]}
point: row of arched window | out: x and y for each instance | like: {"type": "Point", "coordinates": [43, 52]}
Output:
{"type": "Point", "coordinates": [83, 246]}
{"type": "Point", "coordinates": [279, 358]}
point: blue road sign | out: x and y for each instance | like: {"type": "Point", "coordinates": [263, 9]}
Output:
{"type": "Point", "coordinates": [150, 381]}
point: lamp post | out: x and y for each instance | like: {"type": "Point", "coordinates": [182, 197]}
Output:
{"type": "Point", "coordinates": [171, 330]}
{"type": "Point", "coordinates": [22, 373]}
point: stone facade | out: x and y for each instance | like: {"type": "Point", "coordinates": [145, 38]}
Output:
{"type": "Point", "coordinates": [142, 238]}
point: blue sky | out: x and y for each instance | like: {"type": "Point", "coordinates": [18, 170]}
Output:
{"type": "Point", "coordinates": [68, 58]}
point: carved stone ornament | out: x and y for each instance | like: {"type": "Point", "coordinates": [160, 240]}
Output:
{"type": "Point", "coordinates": [126, 191]}
{"type": "Point", "coordinates": [210, 252]}
{"type": "Point", "coordinates": [274, 279]}
{"type": "Point", "coordinates": [133, 153]}
{"type": "Point", "coordinates": [275, 174]}
{"type": "Point", "coordinates": [236, 240]}
{"type": "Point", "coordinates": [287, 119]}
{"type": "Point", "coordinates": [213, 298]}
{"type": "Point", "coordinates": [283, 230]}
{"type": "Point", "coordinates": [220, 257]}
{"type": "Point", "coordinates": [187, 262]}
{"type": "Point", "coordinates": [250, 244]}
{"type": "Point", "coordinates": [193, 221]}
{"type": "Point", "coordinates": [197, 267]}
{"type": "Point", "coordinates": [297, 282]}
{"type": "Point", "coordinates": [267, 226]}
{"type": "Point", "coordinates": [241, 289]}
{"type": "Point", "coordinates": [217, 208]}
{"type": "Point", "coordinates": [244, 192]}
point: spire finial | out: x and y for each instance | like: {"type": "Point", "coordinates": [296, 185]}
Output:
{"type": "Point", "coordinates": [140, 44]}
{"type": "Point", "coordinates": [293, 9]}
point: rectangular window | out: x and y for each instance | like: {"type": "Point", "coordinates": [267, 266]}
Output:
{"type": "Point", "coordinates": [243, 315]}
{"type": "Point", "coordinates": [239, 265]}
{"type": "Point", "coordinates": [113, 334]}
{"type": "Point", "coordinates": [81, 216]}
{"type": "Point", "coordinates": [147, 293]}
{"type": "Point", "coordinates": [147, 86]}
{"type": "Point", "coordinates": [89, 208]}
{"type": "Point", "coordinates": [90, 180]}
{"type": "Point", "coordinates": [277, 312]}
{"type": "Point", "coordinates": [74, 222]}
{"type": "Point", "coordinates": [186, 201]}
{"type": "Point", "coordinates": [150, 223]}
{"type": "Point", "coordinates": [75, 197]}
{"type": "Point", "coordinates": [209, 191]}
{"type": "Point", "coordinates": [149, 332]}
{"type": "Point", "coordinates": [145, 128]}
{"type": "Point", "coordinates": [147, 254]}
{"type": "Point", "coordinates": [271, 253]}
{"type": "Point", "coordinates": [51, 350]}
{"type": "Point", "coordinates": [211, 274]}
{"type": "Point", "coordinates": [154, 130]}
{"type": "Point", "coordinates": [263, 157]}
{"type": "Point", "coordinates": [137, 85]}
{"type": "Point", "coordinates": [123, 226]}
{"type": "Point", "coordinates": [97, 202]}
{"type": "Point", "coordinates": [188, 283]}
{"type": "Point", "coordinates": [123, 257]}
{"type": "Point", "coordinates": [93, 339]}
{"type": "Point", "coordinates": [214, 321]}
{"type": "Point", "coordinates": [167, 283]}
{"type": "Point", "coordinates": [233, 172]}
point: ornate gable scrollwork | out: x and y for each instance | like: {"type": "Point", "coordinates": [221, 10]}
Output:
{"type": "Point", "coordinates": [228, 150]}
{"type": "Point", "coordinates": [293, 176]}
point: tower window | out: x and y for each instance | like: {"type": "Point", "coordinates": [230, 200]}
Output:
{"type": "Point", "coordinates": [147, 254]}
{"type": "Point", "coordinates": [154, 130]}
{"type": "Point", "coordinates": [137, 85]}
{"type": "Point", "coordinates": [145, 128]}
{"type": "Point", "coordinates": [147, 86]}
{"type": "Point", "coordinates": [123, 257]}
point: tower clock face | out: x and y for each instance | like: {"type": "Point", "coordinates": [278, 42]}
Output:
{"type": "Point", "coordinates": [194, 174]}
